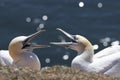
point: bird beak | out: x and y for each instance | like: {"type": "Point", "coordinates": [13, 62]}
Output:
{"type": "Point", "coordinates": [30, 37]}
{"type": "Point", "coordinates": [39, 46]}
{"type": "Point", "coordinates": [65, 44]}
{"type": "Point", "coordinates": [67, 34]}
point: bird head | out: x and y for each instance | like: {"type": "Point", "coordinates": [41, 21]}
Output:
{"type": "Point", "coordinates": [78, 42]}
{"type": "Point", "coordinates": [22, 43]}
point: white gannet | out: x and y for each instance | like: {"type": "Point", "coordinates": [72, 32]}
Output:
{"type": "Point", "coordinates": [20, 53]}
{"type": "Point", "coordinates": [106, 61]}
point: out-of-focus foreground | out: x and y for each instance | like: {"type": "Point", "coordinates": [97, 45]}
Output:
{"type": "Point", "coordinates": [49, 73]}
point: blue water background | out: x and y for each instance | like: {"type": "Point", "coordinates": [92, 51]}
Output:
{"type": "Point", "coordinates": [90, 21]}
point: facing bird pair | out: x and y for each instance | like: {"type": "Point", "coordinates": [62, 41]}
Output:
{"type": "Point", "coordinates": [107, 61]}
{"type": "Point", "coordinates": [20, 54]}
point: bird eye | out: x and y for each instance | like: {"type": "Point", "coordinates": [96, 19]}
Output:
{"type": "Point", "coordinates": [74, 37]}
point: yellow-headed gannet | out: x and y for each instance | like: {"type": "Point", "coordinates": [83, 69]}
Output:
{"type": "Point", "coordinates": [106, 61]}
{"type": "Point", "coordinates": [20, 53]}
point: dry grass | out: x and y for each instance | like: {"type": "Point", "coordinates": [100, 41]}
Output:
{"type": "Point", "coordinates": [51, 73]}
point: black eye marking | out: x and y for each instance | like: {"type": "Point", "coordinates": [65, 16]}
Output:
{"type": "Point", "coordinates": [74, 37]}
{"type": "Point", "coordinates": [24, 42]}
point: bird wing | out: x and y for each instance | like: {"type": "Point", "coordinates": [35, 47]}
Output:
{"type": "Point", "coordinates": [5, 58]}
{"type": "Point", "coordinates": [107, 65]}
{"type": "Point", "coordinates": [115, 70]}
{"type": "Point", "coordinates": [107, 51]}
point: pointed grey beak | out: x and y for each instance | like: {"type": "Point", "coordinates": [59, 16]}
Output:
{"type": "Point", "coordinates": [30, 37]}
{"type": "Point", "coordinates": [65, 44]}
{"type": "Point", "coordinates": [67, 34]}
{"type": "Point", "coordinates": [39, 46]}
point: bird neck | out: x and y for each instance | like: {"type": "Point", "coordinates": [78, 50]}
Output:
{"type": "Point", "coordinates": [14, 56]}
{"type": "Point", "coordinates": [87, 53]}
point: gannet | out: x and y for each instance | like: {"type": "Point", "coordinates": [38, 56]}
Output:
{"type": "Point", "coordinates": [106, 61]}
{"type": "Point", "coordinates": [20, 52]}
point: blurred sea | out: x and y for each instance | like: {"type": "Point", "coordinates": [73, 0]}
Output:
{"type": "Point", "coordinates": [98, 20]}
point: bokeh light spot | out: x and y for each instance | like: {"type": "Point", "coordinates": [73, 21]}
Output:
{"type": "Point", "coordinates": [105, 41]}
{"type": "Point", "coordinates": [100, 5]}
{"type": "Point", "coordinates": [36, 20]}
{"type": "Point", "coordinates": [47, 60]}
{"type": "Point", "coordinates": [65, 57]}
{"type": "Point", "coordinates": [61, 38]}
{"type": "Point", "coordinates": [28, 19]}
{"type": "Point", "coordinates": [81, 4]}
{"type": "Point", "coordinates": [41, 26]}
{"type": "Point", "coordinates": [95, 47]}
{"type": "Point", "coordinates": [45, 17]}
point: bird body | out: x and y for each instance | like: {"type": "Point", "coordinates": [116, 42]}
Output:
{"type": "Point", "coordinates": [20, 52]}
{"type": "Point", "coordinates": [106, 61]}
{"type": "Point", "coordinates": [107, 51]}
{"type": "Point", "coordinates": [5, 58]}
{"type": "Point", "coordinates": [28, 59]}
